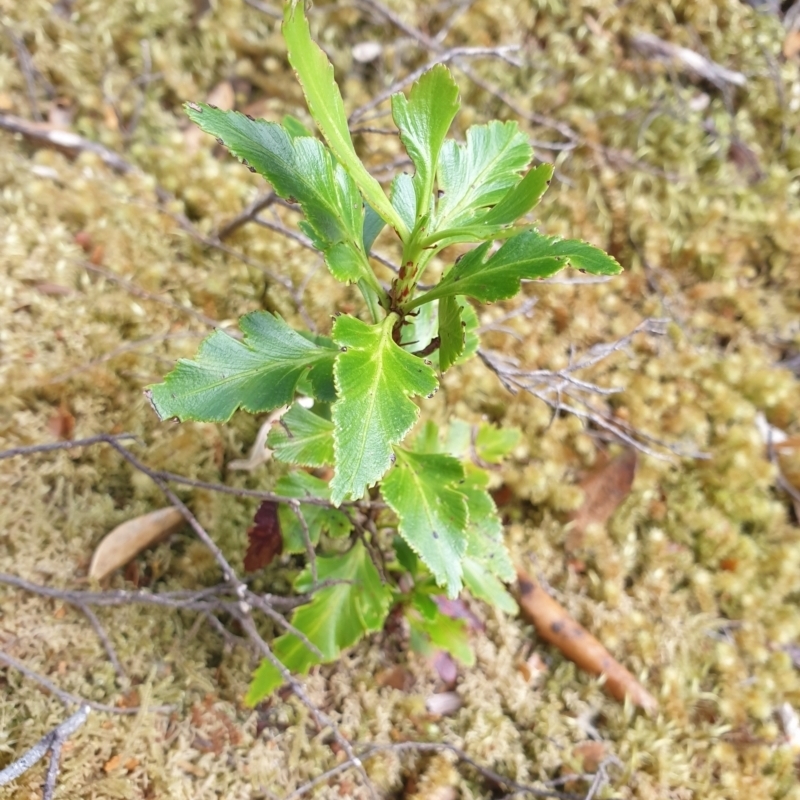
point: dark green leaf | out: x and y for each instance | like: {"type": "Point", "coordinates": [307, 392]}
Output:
{"type": "Point", "coordinates": [301, 170]}
{"type": "Point", "coordinates": [259, 373]}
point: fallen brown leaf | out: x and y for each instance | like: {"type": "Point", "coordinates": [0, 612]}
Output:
{"type": "Point", "coordinates": [554, 624]}
{"type": "Point", "coordinates": [127, 540]}
{"type": "Point", "coordinates": [604, 490]}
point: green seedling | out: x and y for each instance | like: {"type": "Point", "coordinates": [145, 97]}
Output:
{"type": "Point", "coordinates": [366, 379]}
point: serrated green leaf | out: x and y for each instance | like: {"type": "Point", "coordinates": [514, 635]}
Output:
{"type": "Point", "coordinates": [336, 618]}
{"type": "Point", "coordinates": [527, 256]}
{"type": "Point", "coordinates": [479, 173]}
{"type": "Point", "coordinates": [375, 379]}
{"type": "Point", "coordinates": [423, 120]}
{"type": "Point", "coordinates": [493, 444]}
{"type": "Point", "coordinates": [258, 373]}
{"type": "Point", "coordinates": [425, 604]}
{"type": "Point", "coordinates": [452, 336]}
{"type": "Point", "coordinates": [520, 199]}
{"type": "Point", "coordinates": [324, 99]}
{"type": "Point", "coordinates": [303, 438]}
{"type": "Point", "coordinates": [319, 519]}
{"type": "Point", "coordinates": [487, 587]}
{"type": "Point", "coordinates": [432, 513]}
{"type": "Point", "coordinates": [485, 530]}
{"type": "Point", "coordinates": [493, 224]}
{"type": "Point", "coordinates": [302, 170]}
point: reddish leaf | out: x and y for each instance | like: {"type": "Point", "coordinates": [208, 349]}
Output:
{"type": "Point", "coordinates": [265, 540]}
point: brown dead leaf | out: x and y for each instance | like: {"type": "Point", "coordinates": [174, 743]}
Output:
{"type": "Point", "coordinates": [265, 540]}
{"type": "Point", "coordinates": [127, 540]}
{"type": "Point", "coordinates": [112, 763]}
{"type": "Point", "coordinates": [590, 754]}
{"type": "Point", "coordinates": [554, 624]}
{"type": "Point", "coordinates": [791, 45]}
{"type": "Point", "coordinates": [604, 489]}
{"type": "Point", "coordinates": [61, 423]}
{"type": "Point", "coordinates": [222, 96]}
{"type": "Point", "coordinates": [397, 677]}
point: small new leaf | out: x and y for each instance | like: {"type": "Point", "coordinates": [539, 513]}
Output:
{"type": "Point", "coordinates": [478, 174]}
{"type": "Point", "coordinates": [258, 373]}
{"type": "Point", "coordinates": [336, 618]}
{"type": "Point", "coordinates": [375, 379]}
{"type": "Point", "coordinates": [424, 119]}
{"type": "Point", "coordinates": [527, 256]}
{"type": "Point", "coordinates": [264, 537]}
{"type": "Point", "coordinates": [432, 513]}
{"type": "Point", "coordinates": [302, 437]}
{"type": "Point", "coordinates": [324, 99]}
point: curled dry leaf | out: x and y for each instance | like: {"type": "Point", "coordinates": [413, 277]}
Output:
{"type": "Point", "coordinates": [554, 624]}
{"type": "Point", "coordinates": [127, 540]}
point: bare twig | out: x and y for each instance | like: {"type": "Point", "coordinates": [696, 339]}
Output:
{"type": "Point", "coordinates": [49, 743]}
{"type": "Point", "coordinates": [651, 45]}
{"type": "Point", "coordinates": [69, 698]}
{"type": "Point", "coordinates": [50, 447]}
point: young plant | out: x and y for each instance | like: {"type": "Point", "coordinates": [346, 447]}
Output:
{"type": "Point", "coordinates": [364, 379]}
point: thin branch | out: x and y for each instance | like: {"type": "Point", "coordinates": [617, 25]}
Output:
{"type": "Point", "coordinates": [69, 698]}
{"type": "Point", "coordinates": [47, 743]}
{"type": "Point", "coordinates": [105, 438]}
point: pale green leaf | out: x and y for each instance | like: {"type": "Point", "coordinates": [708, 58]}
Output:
{"type": "Point", "coordinates": [478, 174]}
{"type": "Point", "coordinates": [487, 587]}
{"type": "Point", "coordinates": [519, 200]}
{"type": "Point", "coordinates": [493, 444]}
{"type": "Point", "coordinates": [373, 225]}
{"type": "Point", "coordinates": [324, 99]}
{"type": "Point", "coordinates": [319, 519]}
{"type": "Point", "coordinates": [302, 437]}
{"type": "Point", "coordinates": [423, 120]}
{"type": "Point", "coordinates": [336, 618]}
{"type": "Point", "coordinates": [258, 373]}
{"type": "Point", "coordinates": [432, 512]}
{"type": "Point", "coordinates": [404, 199]}
{"type": "Point", "coordinates": [527, 256]}
{"type": "Point", "coordinates": [375, 379]}
{"type": "Point", "coordinates": [485, 530]}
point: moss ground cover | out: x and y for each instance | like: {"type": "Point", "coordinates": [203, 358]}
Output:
{"type": "Point", "coordinates": [693, 582]}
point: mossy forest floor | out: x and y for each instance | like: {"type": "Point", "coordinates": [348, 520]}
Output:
{"type": "Point", "coordinates": [693, 584]}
